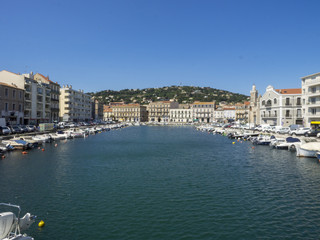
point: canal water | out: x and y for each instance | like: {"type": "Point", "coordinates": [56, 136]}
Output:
{"type": "Point", "coordinates": [164, 183]}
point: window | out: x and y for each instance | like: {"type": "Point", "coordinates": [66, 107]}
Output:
{"type": "Point", "coordinates": [298, 101]}
{"type": "Point", "coordinates": [263, 103]}
{"type": "Point", "coordinates": [13, 107]}
{"type": "Point", "coordinates": [287, 113]}
{"type": "Point", "coordinates": [20, 93]}
{"type": "Point", "coordinates": [275, 101]}
{"type": "Point", "coordinates": [6, 92]}
{"type": "Point", "coordinates": [287, 101]}
{"type": "Point", "coordinates": [20, 108]}
{"type": "Point", "coordinates": [14, 93]}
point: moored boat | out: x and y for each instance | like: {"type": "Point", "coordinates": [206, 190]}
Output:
{"type": "Point", "coordinates": [308, 149]}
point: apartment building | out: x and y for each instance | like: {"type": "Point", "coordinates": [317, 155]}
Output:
{"type": "Point", "coordinates": [37, 96]}
{"type": "Point", "coordinates": [229, 113]}
{"type": "Point", "coordinates": [11, 103]}
{"type": "Point", "coordinates": [183, 114]}
{"type": "Point", "coordinates": [75, 106]}
{"type": "Point", "coordinates": [218, 115]}
{"type": "Point", "coordinates": [54, 95]}
{"type": "Point", "coordinates": [130, 113]}
{"type": "Point", "coordinates": [203, 112]}
{"type": "Point", "coordinates": [311, 100]}
{"type": "Point", "coordinates": [159, 111]}
{"type": "Point", "coordinates": [281, 107]}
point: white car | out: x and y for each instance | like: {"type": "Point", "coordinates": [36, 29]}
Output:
{"type": "Point", "coordinates": [300, 131]}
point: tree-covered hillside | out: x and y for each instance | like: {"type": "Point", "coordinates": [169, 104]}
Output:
{"type": "Point", "coordinates": [181, 94]}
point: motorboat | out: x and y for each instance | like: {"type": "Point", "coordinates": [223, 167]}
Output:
{"type": "Point", "coordinates": [309, 149]}
{"type": "Point", "coordinates": [262, 140]}
{"type": "Point", "coordinates": [29, 139]}
{"type": "Point", "coordinates": [279, 143]}
{"type": "Point", "coordinates": [42, 137]}
{"type": "Point", "coordinates": [12, 225]}
{"type": "Point", "coordinates": [18, 144]}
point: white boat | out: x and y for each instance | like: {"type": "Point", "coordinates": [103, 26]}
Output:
{"type": "Point", "coordinates": [308, 149]}
{"type": "Point", "coordinates": [56, 136]}
{"type": "Point", "coordinates": [12, 225]}
{"type": "Point", "coordinates": [42, 137]}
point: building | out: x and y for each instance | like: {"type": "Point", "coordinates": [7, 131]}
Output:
{"type": "Point", "coordinates": [107, 113]}
{"type": "Point", "coordinates": [183, 114]}
{"type": "Point", "coordinates": [218, 115]}
{"type": "Point", "coordinates": [203, 112]}
{"type": "Point", "coordinates": [11, 103]}
{"type": "Point", "coordinates": [254, 107]}
{"type": "Point", "coordinates": [54, 94]}
{"type": "Point", "coordinates": [130, 113]}
{"type": "Point", "coordinates": [97, 110]}
{"type": "Point", "coordinates": [75, 106]}
{"type": "Point", "coordinates": [229, 113]}
{"type": "Point", "coordinates": [242, 112]}
{"type": "Point", "coordinates": [159, 111]}
{"type": "Point", "coordinates": [37, 100]}
{"type": "Point", "coordinates": [281, 107]}
{"type": "Point", "coordinates": [311, 100]}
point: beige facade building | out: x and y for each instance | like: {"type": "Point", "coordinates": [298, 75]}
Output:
{"type": "Point", "coordinates": [37, 96]}
{"type": "Point", "coordinates": [54, 95]}
{"type": "Point", "coordinates": [311, 100]}
{"type": "Point", "coordinates": [75, 106]}
{"type": "Point", "coordinates": [11, 104]}
{"type": "Point", "coordinates": [107, 113]}
{"type": "Point", "coordinates": [130, 113]}
{"type": "Point", "coordinates": [159, 111]}
{"type": "Point", "coordinates": [281, 107]}
{"type": "Point", "coordinates": [242, 112]}
{"type": "Point", "coordinates": [203, 112]}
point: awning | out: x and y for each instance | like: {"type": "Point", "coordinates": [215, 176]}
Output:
{"type": "Point", "coordinates": [315, 122]}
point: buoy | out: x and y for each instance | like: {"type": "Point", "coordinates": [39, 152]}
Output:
{"type": "Point", "coordinates": [3, 156]}
{"type": "Point", "coordinates": [41, 224]}
{"type": "Point", "coordinates": [56, 145]}
{"type": "Point", "coordinates": [252, 147]}
{"type": "Point", "coordinates": [233, 142]}
{"type": "Point", "coordinates": [38, 147]}
{"type": "Point", "coordinates": [24, 152]}
{"type": "Point", "coordinates": [42, 149]}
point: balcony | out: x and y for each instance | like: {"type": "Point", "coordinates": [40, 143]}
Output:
{"type": "Point", "coordinates": [288, 116]}
{"type": "Point", "coordinates": [270, 116]}
{"type": "Point", "coordinates": [288, 104]}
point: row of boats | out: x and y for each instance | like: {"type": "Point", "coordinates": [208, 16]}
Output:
{"type": "Point", "coordinates": [24, 142]}
{"type": "Point", "coordinates": [304, 147]}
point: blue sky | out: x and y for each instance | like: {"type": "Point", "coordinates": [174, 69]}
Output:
{"type": "Point", "coordinates": [99, 44]}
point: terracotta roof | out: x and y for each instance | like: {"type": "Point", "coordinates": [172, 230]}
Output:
{"type": "Point", "coordinates": [289, 91]}
{"type": "Point", "coordinates": [229, 108]}
{"type": "Point", "coordinates": [47, 78]}
{"type": "Point", "coordinates": [247, 103]}
{"type": "Point", "coordinates": [201, 103]}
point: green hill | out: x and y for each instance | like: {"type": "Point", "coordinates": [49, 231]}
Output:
{"type": "Point", "coordinates": [181, 94]}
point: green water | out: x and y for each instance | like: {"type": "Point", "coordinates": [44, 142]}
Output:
{"type": "Point", "coordinates": [164, 183]}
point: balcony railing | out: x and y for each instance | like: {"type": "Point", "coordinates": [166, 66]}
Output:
{"type": "Point", "coordinates": [269, 116]}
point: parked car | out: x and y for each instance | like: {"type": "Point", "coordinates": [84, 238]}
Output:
{"type": "Point", "coordinates": [5, 130]}
{"type": "Point", "coordinates": [300, 131]}
{"type": "Point", "coordinates": [312, 133]}
{"type": "Point", "coordinates": [15, 129]}
{"type": "Point", "coordinates": [23, 128]}
{"type": "Point", "coordinates": [31, 128]}
{"type": "Point", "coordinates": [284, 130]}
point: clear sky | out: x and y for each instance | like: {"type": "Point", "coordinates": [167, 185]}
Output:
{"type": "Point", "coordinates": [100, 44]}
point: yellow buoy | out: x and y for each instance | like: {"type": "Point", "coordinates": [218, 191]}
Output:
{"type": "Point", "coordinates": [233, 142]}
{"type": "Point", "coordinates": [41, 224]}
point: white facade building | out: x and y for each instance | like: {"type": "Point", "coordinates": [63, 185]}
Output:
{"type": "Point", "coordinates": [75, 106]}
{"type": "Point", "coordinates": [311, 99]}
{"type": "Point", "coordinates": [180, 115]}
{"type": "Point", "coordinates": [281, 107]}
